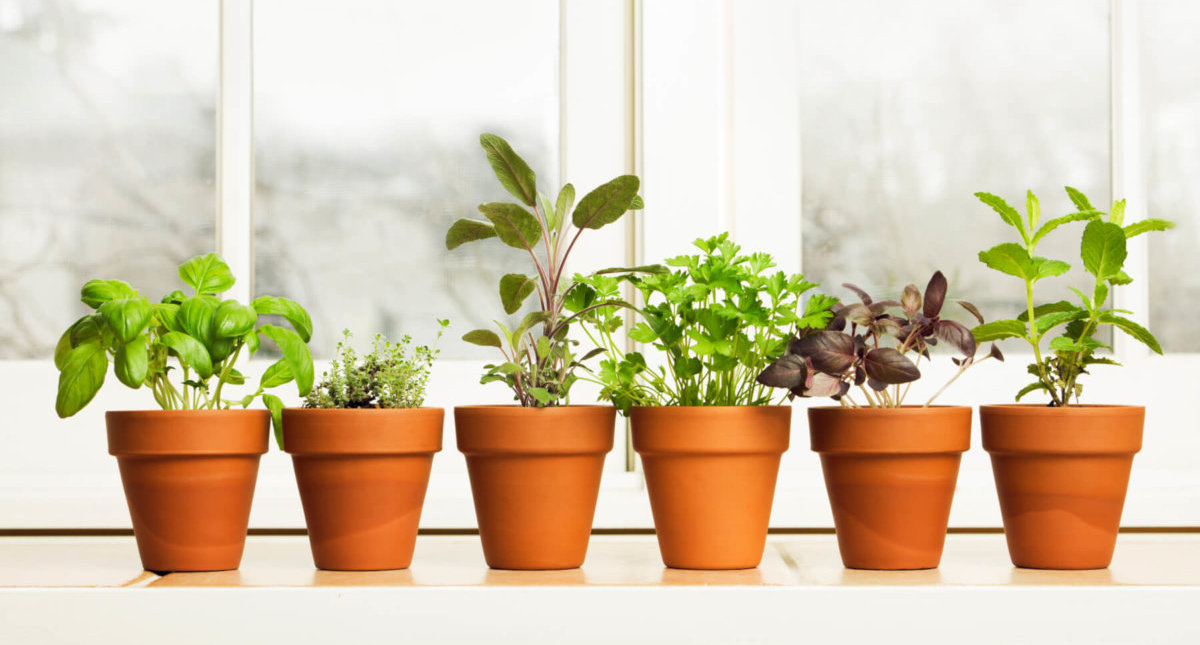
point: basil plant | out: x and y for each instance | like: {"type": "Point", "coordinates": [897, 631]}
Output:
{"type": "Point", "coordinates": [199, 336]}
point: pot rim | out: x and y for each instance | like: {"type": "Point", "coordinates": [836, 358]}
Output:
{"type": "Point", "coordinates": [904, 409]}
{"type": "Point", "coordinates": [708, 407]}
{"type": "Point", "coordinates": [1035, 408]}
{"type": "Point", "coordinates": [160, 412]}
{"type": "Point", "coordinates": [303, 410]}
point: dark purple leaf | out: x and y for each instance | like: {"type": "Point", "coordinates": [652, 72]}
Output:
{"type": "Point", "coordinates": [995, 353]}
{"type": "Point", "coordinates": [935, 295]}
{"type": "Point", "coordinates": [829, 351]}
{"type": "Point", "coordinates": [861, 294]}
{"type": "Point", "coordinates": [956, 360]}
{"type": "Point", "coordinates": [971, 308]}
{"type": "Point", "coordinates": [822, 385]}
{"type": "Point", "coordinates": [890, 366]}
{"type": "Point", "coordinates": [860, 375]}
{"type": "Point", "coordinates": [957, 335]}
{"type": "Point", "coordinates": [858, 314]}
{"type": "Point", "coordinates": [878, 386]}
{"type": "Point", "coordinates": [911, 299]}
{"type": "Point", "coordinates": [843, 388]}
{"type": "Point", "coordinates": [787, 372]}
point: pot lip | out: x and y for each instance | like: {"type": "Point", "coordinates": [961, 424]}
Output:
{"type": "Point", "coordinates": [186, 413]}
{"type": "Point", "coordinates": [709, 407]}
{"type": "Point", "coordinates": [314, 411]}
{"type": "Point", "coordinates": [906, 409]}
{"type": "Point", "coordinates": [514, 406]}
{"type": "Point", "coordinates": [1079, 409]}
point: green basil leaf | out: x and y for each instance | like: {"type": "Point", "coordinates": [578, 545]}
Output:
{"type": "Point", "coordinates": [275, 405]}
{"type": "Point", "coordinates": [277, 374]}
{"type": "Point", "coordinates": [295, 352]}
{"type": "Point", "coordinates": [127, 317]}
{"type": "Point", "coordinates": [132, 362]}
{"type": "Point", "coordinates": [80, 378]}
{"type": "Point", "coordinates": [207, 274]}
{"type": "Point", "coordinates": [190, 351]}
{"type": "Point", "coordinates": [291, 311]}
{"type": "Point", "coordinates": [98, 292]}
{"type": "Point", "coordinates": [232, 319]}
{"type": "Point", "coordinates": [195, 317]}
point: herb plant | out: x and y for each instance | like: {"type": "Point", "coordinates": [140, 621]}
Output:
{"type": "Point", "coordinates": [1103, 251]}
{"type": "Point", "coordinates": [199, 335]}
{"type": "Point", "coordinates": [718, 320]}
{"type": "Point", "coordinates": [391, 375]}
{"type": "Point", "coordinates": [539, 364]}
{"type": "Point", "coordinates": [832, 361]}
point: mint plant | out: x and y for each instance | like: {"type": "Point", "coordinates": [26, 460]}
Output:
{"type": "Point", "coordinates": [718, 320]}
{"type": "Point", "coordinates": [1074, 346]}
{"type": "Point", "coordinates": [539, 363]}
{"type": "Point", "coordinates": [873, 355]}
{"type": "Point", "coordinates": [391, 375]}
{"type": "Point", "coordinates": [200, 336]}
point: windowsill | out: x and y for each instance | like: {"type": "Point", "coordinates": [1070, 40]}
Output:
{"type": "Point", "coordinates": [801, 589]}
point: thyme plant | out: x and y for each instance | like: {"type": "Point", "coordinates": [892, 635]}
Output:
{"type": "Point", "coordinates": [391, 375]}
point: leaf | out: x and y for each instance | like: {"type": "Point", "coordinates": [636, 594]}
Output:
{"type": "Point", "coordinates": [858, 291]}
{"type": "Point", "coordinates": [910, 299]}
{"type": "Point", "coordinates": [1117, 215]}
{"type": "Point", "coordinates": [80, 378]}
{"type": "Point", "coordinates": [132, 362]}
{"type": "Point", "coordinates": [195, 317]}
{"type": "Point", "coordinates": [1079, 199]}
{"type": "Point", "coordinates": [788, 371]}
{"type": "Point", "coordinates": [1007, 213]}
{"type": "Point", "coordinates": [291, 311]}
{"type": "Point", "coordinates": [251, 340]}
{"type": "Point", "coordinates": [649, 269]}
{"type": "Point", "coordinates": [531, 320]}
{"type": "Point", "coordinates": [890, 366]}
{"type": "Point", "coordinates": [1048, 308]}
{"type": "Point", "coordinates": [1141, 334]}
{"type": "Point", "coordinates": [468, 230]}
{"type": "Point", "coordinates": [955, 334]}
{"type": "Point", "coordinates": [998, 330]}
{"type": "Point", "coordinates": [1065, 344]}
{"type": "Point", "coordinates": [607, 203]}
{"type": "Point", "coordinates": [277, 374]}
{"type": "Point", "coordinates": [235, 377]}
{"type": "Point", "coordinates": [295, 352]}
{"type": "Point", "coordinates": [233, 319]}
{"type": "Point", "coordinates": [971, 308]}
{"type": "Point", "coordinates": [1147, 225]}
{"type": "Point", "coordinates": [512, 171]}
{"type": "Point", "coordinates": [547, 211]}
{"type": "Point", "coordinates": [829, 351]}
{"type": "Point", "coordinates": [637, 204]}
{"type": "Point", "coordinates": [1103, 249]}
{"type": "Point", "coordinates": [1049, 268]}
{"type": "Point", "coordinates": [167, 314]}
{"type": "Point", "coordinates": [1009, 258]}
{"type": "Point", "coordinates": [935, 295]}
{"type": "Point", "coordinates": [566, 201]}
{"type": "Point", "coordinates": [483, 337]}
{"type": "Point", "coordinates": [540, 394]}
{"type": "Point", "coordinates": [514, 225]}
{"type": "Point", "coordinates": [127, 317]}
{"type": "Point", "coordinates": [514, 289]}
{"type": "Point", "coordinates": [1050, 225]}
{"type": "Point", "coordinates": [275, 405]}
{"type": "Point", "coordinates": [1030, 388]}
{"type": "Point", "coordinates": [190, 351]}
{"type": "Point", "coordinates": [98, 292]}
{"type": "Point", "coordinates": [206, 274]}
{"type": "Point", "coordinates": [1052, 320]}
{"type": "Point", "coordinates": [1033, 209]}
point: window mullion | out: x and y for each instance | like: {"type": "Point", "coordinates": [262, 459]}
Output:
{"type": "Point", "coordinates": [235, 144]}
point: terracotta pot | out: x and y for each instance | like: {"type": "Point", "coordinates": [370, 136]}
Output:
{"type": "Point", "coordinates": [890, 474]}
{"type": "Point", "coordinates": [189, 478]}
{"type": "Point", "coordinates": [535, 476]}
{"type": "Point", "coordinates": [1061, 474]}
{"type": "Point", "coordinates": [710, 473]}
{"type": "Point", "coordinates": [362, 476]}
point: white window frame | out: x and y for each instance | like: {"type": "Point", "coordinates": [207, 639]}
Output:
{"type": "Point", "coordinates": [649, 89]}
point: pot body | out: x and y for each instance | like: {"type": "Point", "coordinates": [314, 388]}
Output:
{"type": "Point", "coordinates": [890, 474]}
{"type": "Point", "coordinates": [1062, 474]}
{"type": "Point", "coordinates": [711, 473]}
{"type": "Point", "coordinates": [189, 479]}
{"type": "Point", "coordinates": [362, 475]}
{"type": "Point", "coordinates": [535, 477]}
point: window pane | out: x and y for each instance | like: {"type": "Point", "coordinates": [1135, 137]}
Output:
{"type": "Point", "coordinates": [106, 154]}
{"type": "Point", "coordinates": [1171, 144]}
{"type": "Point", "coordinates": [367, 125]}
{"type": "Point", "coordinates": [908, 109]}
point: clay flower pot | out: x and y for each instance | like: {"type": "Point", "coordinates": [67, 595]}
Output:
{"type": "Point", "coordinates": [189, 478]}
{"type": "Point", "coordinates": [710, 473]}
{"type": "Point", "coordinates": [362, 475]}
{"type": "Point", "coordinates": [535, 476]}
{"type": "Point", "coordinates": [890, 474]}
{"type": "Point", "coordinates": [1061, 474]}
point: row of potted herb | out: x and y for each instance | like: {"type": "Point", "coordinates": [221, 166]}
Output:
{"type": "Point", "coordinates": [733, 337]}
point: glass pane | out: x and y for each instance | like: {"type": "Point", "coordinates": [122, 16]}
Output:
{"type": "Point", "coordinates": [1171, 144]}
{"type": "Point", "coordinates": [908, 109]}
{"type": "Point", "coordinates": [367, 151]}
{"type": "Point", "coordinates": [106, 154]}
